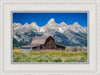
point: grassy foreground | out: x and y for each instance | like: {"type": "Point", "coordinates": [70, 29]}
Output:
{"type": "Point", "coordinates": [49, 56]}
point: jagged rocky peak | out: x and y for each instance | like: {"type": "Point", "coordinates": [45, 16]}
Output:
{"type": "Point", "coordinates": [16, 25]}
{"type": "Point", "coordinates": [50, 24]}
{"type": "Point", "coordinates": [62, 23]}
{"type": "Point", "coordinates": [26, 25]}
{"type": "Point", "coordinates": [76, 24]}
{"type": "Point", "coordinates": [51, 21]}
{"type": "Point", "coordinates": [34, 25]}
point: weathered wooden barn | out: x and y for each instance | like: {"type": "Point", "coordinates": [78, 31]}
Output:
{"type": "Point", "coordinates": [42, 43]}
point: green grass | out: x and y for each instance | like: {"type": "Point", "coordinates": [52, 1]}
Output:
{"type": "Point", "coordinates": [49, 56]}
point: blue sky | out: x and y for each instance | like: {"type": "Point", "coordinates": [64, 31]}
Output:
{"type": "Point", "coordinates": [42, 18]}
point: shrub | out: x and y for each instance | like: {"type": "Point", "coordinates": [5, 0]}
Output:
{"type": "Point", "coordinates": [39, 60]}
{"type": "Point", "coordinates": [83, 59]}
{"type": "Point", "coordinates": [74, 49]}
{"type": "Point", "coordinates": [67, 60]}
{"type": "Point", "coordinates": [46, 55]}
{"type": "Point", "coordinates": [56, 59]}
{"type": "Point", "coordinates": [74, 59]}
{"type": "Point", "coordinates": [67, 49]}
{"type": "Point", "coordinates": [15, 57]}
{"type": "Point", "coordinates": [31, 60]}
{"type": "Point", "coordinates": [24, 57]}
{"type": "Point", "coordinates": [45, 60]}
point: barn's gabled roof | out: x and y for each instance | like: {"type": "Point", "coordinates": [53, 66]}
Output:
{"type": "Point", "coordinates": [38, 41]}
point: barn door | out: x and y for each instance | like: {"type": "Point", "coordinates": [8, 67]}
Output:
{"type": "Point", "coordinates": [50, 44]}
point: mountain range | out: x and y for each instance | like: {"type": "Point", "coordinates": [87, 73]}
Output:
{"type": "Point", "coordinates": [66, 35]}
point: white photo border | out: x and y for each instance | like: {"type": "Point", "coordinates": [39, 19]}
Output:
{"type": "Point", "coordinates": [5, 67]}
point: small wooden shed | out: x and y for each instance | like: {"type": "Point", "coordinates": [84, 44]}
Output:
{"type": "Point", "coordinates": [42, 43]}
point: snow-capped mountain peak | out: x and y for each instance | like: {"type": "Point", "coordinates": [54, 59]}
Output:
{"type": "Point", "coordinates": [26, 25]}
{"type": "Point", "coordinates": [76, 24]}
{"type": "Point", "coordinates": [34, 25]}
{"type": "Point", "coordinates": [51, 21]}
{"type": "Point", "coordinates": [50, 24]}
{"type": "Point", "coordinates": [16, 25]}
{"type": "Point", "coordinates": [62, 23]}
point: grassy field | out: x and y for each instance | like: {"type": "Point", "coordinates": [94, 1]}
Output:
{"type": "Point", "coordinates": [49, 56]}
